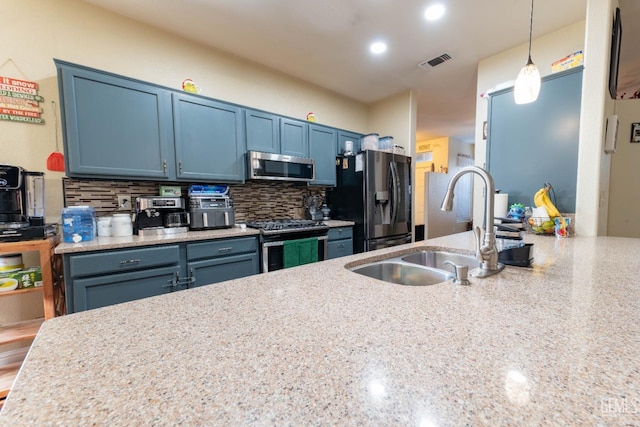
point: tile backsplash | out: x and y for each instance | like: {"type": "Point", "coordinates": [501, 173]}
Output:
{"type": "Point", "coordinates": [252, 201]}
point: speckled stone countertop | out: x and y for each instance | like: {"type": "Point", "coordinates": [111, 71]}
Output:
{"type": "Point", "coordinates": [555, 344]}
{"type": "Point", "coordinates": [104, 243]}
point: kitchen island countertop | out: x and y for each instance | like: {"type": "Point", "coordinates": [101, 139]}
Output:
{"type": "Point", "coordinates": [555, 344]}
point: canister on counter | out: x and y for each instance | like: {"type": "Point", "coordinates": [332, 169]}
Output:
{"type": "Point", "coordinates": [78, 224]}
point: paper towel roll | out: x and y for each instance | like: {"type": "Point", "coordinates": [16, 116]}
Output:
{"type": "Point", "coordinates": [500, 205]}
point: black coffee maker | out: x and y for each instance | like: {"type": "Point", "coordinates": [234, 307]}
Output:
{"type": "Point", "coordinates": [22, 205]}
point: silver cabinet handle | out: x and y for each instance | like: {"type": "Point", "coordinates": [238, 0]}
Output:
{"type": "Point", "coordinates": [129, 261]}
{"type": "Point", "coordinates": [173, 282]}
{"type": "Point", "coordinates": [227, 249]}
{"type": "Point", "coordinates": [164, 166]}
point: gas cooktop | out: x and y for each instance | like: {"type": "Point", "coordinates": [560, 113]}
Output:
{"type": "Point", "coordinates": [287, 225]}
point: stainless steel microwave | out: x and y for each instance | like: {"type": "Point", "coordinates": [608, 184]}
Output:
{"type": "Point", "coordinates": [279, 167]}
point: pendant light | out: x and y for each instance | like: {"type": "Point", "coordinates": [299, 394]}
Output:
{"type": "Point", "coordinates": [527, 85]}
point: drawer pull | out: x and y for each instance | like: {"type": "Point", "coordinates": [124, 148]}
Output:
{"type": "Point", "coordinates": [227, 249]}
{"type": "Point", "coordinates": [129, 261]}
{"type": "Point", "coordinates": [341, 245]}
{"type": "Point", "coordinates": [173, 282]}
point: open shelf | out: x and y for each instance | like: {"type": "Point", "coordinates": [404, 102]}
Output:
{"type": "Point", "coordinates": [20, 291]}
{"type": "Point", "coordinates": [20, 331]}
{"type": "Point", "coordinates": [26, 330]}
{"type": "Point", "coordinates": [10, 362]}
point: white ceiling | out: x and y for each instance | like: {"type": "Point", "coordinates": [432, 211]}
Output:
{"type": "Point", "coordinates": [326, 42]}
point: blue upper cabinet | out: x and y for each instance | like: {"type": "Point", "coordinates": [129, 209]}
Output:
{"type": "Point", "coordinates": [293, 138]}
{"type": "Point", "coordinates": [114, 126]}
{"type": "Point", "coordinates": [322, 149]}
{"type": "Point", "coordinates": [261, 130]}
{"type": "Point", "coordinates": [209, 142]}
{"type": "Point", "coordinates": [348, 136]}
{"type": "Point", "coordinates": [271, 133]}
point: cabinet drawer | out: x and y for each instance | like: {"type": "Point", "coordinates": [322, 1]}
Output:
{"type": "Point", "coordinates": [340, 248]}
{"type": "Point", "coordinates": [340, 233]}
{"type": "Point", "coordinates": [217, 248]}
{"type": "Point", "coordinates": [125, 260]}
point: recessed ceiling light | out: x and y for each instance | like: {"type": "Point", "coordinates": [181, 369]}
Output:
{"type": "Point", "coordinates": [378, 47]}
{"type": "Point", "coordinates": [434, 12]}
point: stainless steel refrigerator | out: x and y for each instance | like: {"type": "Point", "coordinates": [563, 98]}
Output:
{"type": "Point", "coordinates": [373, 189]}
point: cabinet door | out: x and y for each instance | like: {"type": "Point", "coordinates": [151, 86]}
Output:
{"type": "Point", "coordinates": [208, 140]}
{"type": "Point", "coordinates": [216, 270]}
{"type": "Point", "coordinates": [293, 138]}
{"type": "Point", "coordinates": [114, 127]}
{"type": "Point", "coordinates": [322, 149]}
{"type": "Point", "coordinates": [348, 136]}
{"type": "Point", "coordinates": [339, 248]}
{"type": "Point", "coordinates": [261, 130]}
{"type": "Point", "coordinates": [112, 289]}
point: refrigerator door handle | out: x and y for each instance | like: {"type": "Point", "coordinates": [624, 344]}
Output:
{"type": "Point", "coordinates": [395, 190]}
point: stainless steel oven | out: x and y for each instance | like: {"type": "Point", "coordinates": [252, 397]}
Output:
{"type": "Point", "coordinates": [274, 233]}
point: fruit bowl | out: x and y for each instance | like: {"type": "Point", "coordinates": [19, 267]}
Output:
{"type": "Point", "coordinates": [542, 226]}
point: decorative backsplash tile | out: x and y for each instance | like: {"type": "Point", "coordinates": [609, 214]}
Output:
{"type": "Point", "coordinates": [252, 201]}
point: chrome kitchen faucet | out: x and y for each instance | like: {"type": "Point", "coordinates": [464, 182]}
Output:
{"type": "Point", "coordinates": [487, 253]}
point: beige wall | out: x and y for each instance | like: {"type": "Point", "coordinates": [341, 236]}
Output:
{"type": "Point", "coordinates": [501, 70]}
{"type": "Point", "coordinates": [75, 31]}
{"type": "Point", "coordinates": [396, 116]}
{"type": "Point", "coordinates": [624, 200]}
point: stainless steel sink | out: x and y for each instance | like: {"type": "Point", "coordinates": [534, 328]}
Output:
{"type": "Point", "coordinates": [436, 259]}
{"type": "Point", "coordinates": [403, 273]}
{"type": "Point", "coordinates": [418, 269]}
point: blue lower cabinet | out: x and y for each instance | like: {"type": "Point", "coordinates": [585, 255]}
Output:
{"type": "Point", "coordinates": [112, 289]}
{"type": "Point", "coordinates": [101, 278]}
{"type": "Point", "coordinates": [340, 242]}
{"type": "Point", "coordinates": [224, 259]}
{"type": "Point", "coordinates": [220, 269]}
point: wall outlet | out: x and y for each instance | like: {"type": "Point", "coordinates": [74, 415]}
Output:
{"type": "Point", "coordinates": [124, 202]}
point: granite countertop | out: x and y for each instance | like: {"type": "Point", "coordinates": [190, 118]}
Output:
{"type": "Point", "coordinates": [104, 243]}
{"type": "Point", "coordinates": [555, 344]}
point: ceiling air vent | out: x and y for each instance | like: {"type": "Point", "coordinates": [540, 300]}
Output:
{"type": "Point", "coordinates": [435, 61]}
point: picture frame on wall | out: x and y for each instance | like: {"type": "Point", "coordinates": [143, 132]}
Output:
{"type": "Point", "coordinates": [635, 132]}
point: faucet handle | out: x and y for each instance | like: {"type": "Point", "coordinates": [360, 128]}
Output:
{"type": "Point", "coordinates": [461, 273]}
{"type": "Point", "coordinates": [477, 232]}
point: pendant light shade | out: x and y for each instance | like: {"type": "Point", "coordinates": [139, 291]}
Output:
{"type": "Point", "coordinates": [527, 86]}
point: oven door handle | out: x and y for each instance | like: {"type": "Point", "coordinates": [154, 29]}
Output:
{"type": "Point", "coordinates": [267, 245]}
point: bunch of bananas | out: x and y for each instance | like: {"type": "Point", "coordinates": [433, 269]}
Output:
{"type": "Point", "coordinates": [541, 198]}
